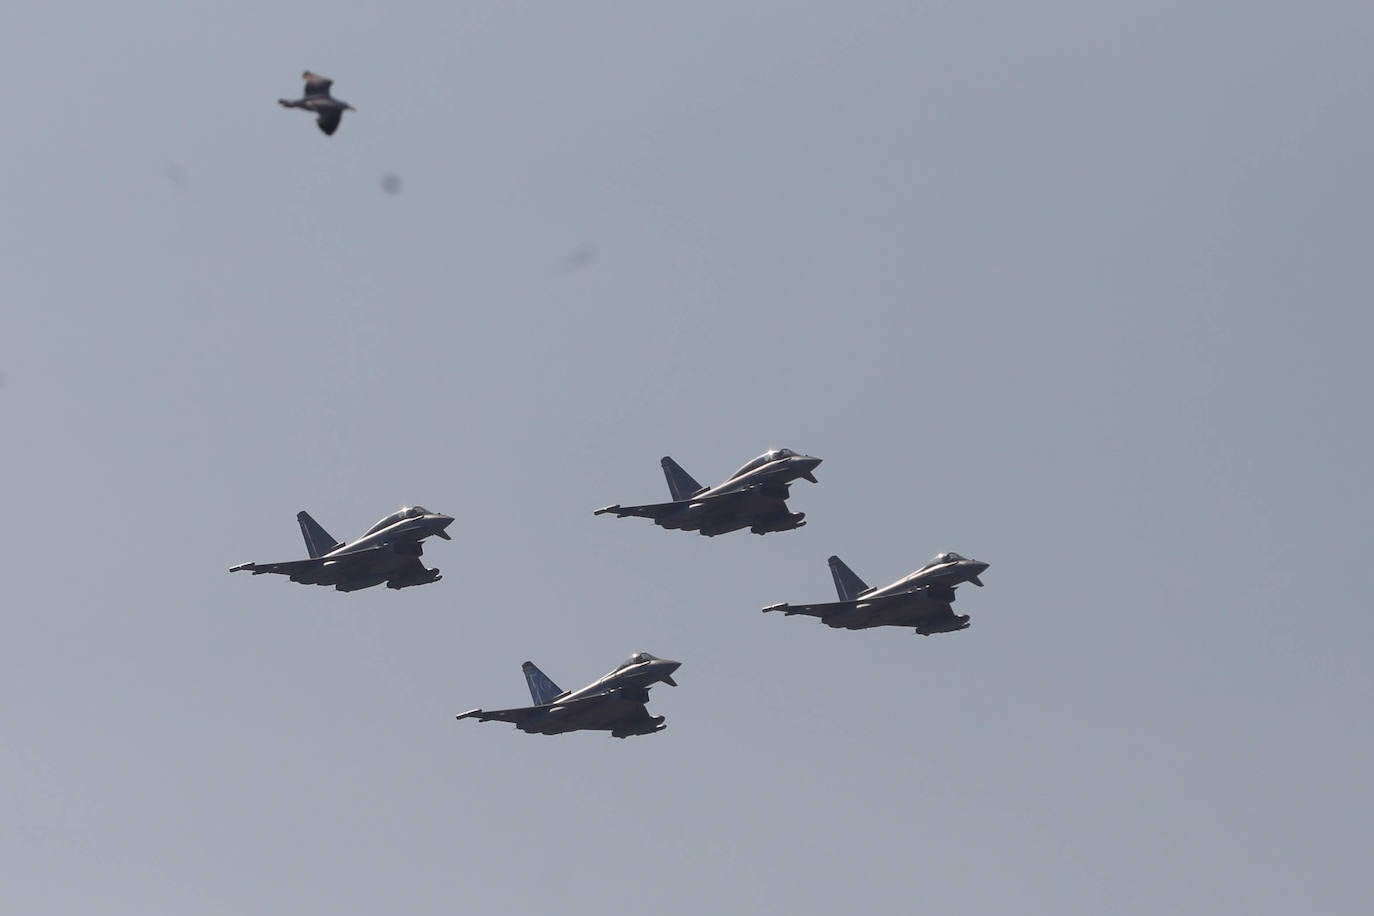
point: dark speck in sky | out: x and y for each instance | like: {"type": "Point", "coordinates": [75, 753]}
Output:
{"type": "Point", "coordinates": [580, 258]}
{"type": "Point", "coordinates": [175, 173]}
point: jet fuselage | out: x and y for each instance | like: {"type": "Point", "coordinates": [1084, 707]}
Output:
{"type": "Point", "coordinates": [412, 530]}
{"type": "Point", "coordinates": [772, 479]}
{"type": "Point", "coordinates": [780, 471]}
{"type": "Point", "coordinates": [614, 702]}
{"type": "Point", "coordinates": [940, 572]}
{"type": "Point", "coordinates": [387, 552]}
{"type": "Point", "coordinates": [642, 675]}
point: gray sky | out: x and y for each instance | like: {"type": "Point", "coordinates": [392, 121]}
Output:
{"type": "Point", "coordinates": [1076, 288]}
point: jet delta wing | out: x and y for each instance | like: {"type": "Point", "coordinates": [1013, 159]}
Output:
{"type": "Point", "coordinates": [921, 600]}
{"type": "Point", "coordinates": [614, 702]}
{"type": "Point", "coordinates": [754, 497]}
{"type": "Point", "coordinates": [388, 552]}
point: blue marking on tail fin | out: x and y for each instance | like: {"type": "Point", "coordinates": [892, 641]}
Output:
{"type": "Point", "coordinates": [847, 585]}
{"type": "Point", "coordinates": [542, 690]}
{"type": "Point", "coordinates": [318, 541]}
{"type": "Point", "coordinates": [680, 483]}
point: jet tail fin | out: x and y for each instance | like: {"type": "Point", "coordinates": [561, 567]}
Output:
{"type": "Point", "coordinates": [318, 541]}
{"type": "Point", "coordinates": [847, 585]}
{"type": "Point", "coordinates": [542, 690]}
{"type": "Point", "coordinates": [680, 483]}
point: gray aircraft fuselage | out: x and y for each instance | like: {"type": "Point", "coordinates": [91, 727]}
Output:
{"type": "Point", "coordinates": [933, 582]}
{"type": "Point", "coordinates": [920, 600]}
{"type": "Point", "coordinates": [754, 497]}
{"type": "Point", "coordinates": [946, 570]}
{"type": "Point", "coordinates": [388, 552]}
{"type": "Point", "coordinates": [413, 530]}
{"type": "Point", "coordinates": [614, 702]}
{"type": "Point", "coordinates": [641, 674]}
{"type": "Point", "coordinates": [778, 471]}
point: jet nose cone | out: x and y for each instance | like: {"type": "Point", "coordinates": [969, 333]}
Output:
{"type": "Point", "coordinates": [443, 520]}
{"type": "Point", "coordinates": [666, 669]}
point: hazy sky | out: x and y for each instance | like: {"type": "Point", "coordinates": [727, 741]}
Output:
{"type": "Point", "coordinates": [1076, 288]}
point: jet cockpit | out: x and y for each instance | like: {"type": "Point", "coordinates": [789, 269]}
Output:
{"type": "Point", "coordinates": [637, 658]}
{"type": "Point", "coordinates": [400, 514]}
{"type": "Point", "coordinates": [773, 454]}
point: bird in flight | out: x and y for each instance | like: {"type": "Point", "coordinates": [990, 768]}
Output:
{"type": "Point", "coordinates": [328, 109]}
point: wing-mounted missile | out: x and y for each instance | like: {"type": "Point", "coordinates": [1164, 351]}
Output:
{"type": "Point", "coordinates": [785, 522]}
{"type": "Point", "coordinates": [646, 727]}
{"type": "Point", "coordinates": [356, 584]}
{"type": "Point", "coordinates": [959, 622]}
{"type": "Point", "coordinates": [422, 577]}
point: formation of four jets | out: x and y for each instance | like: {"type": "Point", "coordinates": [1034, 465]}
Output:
{"type": "Point", "coordinates": [754, 497]}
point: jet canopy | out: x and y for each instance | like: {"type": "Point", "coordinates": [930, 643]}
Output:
{"type": "Point", "coordinates": [400, 514]}
{"type": "Point", "coordinates": [948, 556]}
{"type": "Point", "coordinates": [773, 454]}
{"type": "Point", "coordinates": [637, 658]}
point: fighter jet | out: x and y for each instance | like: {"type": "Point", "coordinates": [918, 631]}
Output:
{"type": "Point", "coordinates": [920, 600]}
{"type": "Point", "coordinates": [753, 497]}
{"type": "Point", "coordinates": [613, 703]}
{"type": "Point", "coordinates": [389, 552]}
{"type": "Point", "coordinates": [318, 100]}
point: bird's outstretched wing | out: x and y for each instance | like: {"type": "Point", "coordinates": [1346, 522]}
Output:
{"type": "Point", "coordinates": [329, 120]}
{"type": "Point", "coordinates": [316, 85]}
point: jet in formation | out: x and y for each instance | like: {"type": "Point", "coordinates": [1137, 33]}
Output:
{"type": "Point", "coordinates": [613, 703]}
{"type": "Point", "coordinates": [753, 497]}
{"type": "Point", "coordinates": [389, 552]}
{"type": "Point", "coordinates": [317, 99]}
{"type": "Point", "coordinates": [921, 600]}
